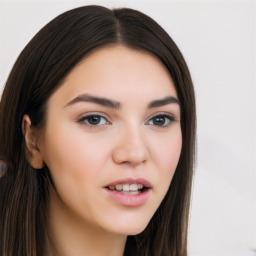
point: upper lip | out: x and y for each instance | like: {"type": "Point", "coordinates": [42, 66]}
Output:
{"type": "Point", "coordinates": [142, 181]}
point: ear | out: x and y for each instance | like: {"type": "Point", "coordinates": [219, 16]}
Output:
{"type": "Point", "coordinates": [33, 154]}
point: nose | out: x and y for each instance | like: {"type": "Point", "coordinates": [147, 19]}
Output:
{"type": "Point", "coordinates": [131, 147]}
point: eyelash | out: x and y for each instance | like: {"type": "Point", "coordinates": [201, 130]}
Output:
{"type": "Point", "coordinates": [85, 119]}
{"type": "Point", "coordinates": [168, 119]}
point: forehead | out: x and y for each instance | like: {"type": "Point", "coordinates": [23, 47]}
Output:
{"type": "Point", "coordinates": [118, 72]}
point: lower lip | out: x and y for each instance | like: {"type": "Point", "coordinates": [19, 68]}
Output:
{"type": "Point", "coordinates": [129, 200]}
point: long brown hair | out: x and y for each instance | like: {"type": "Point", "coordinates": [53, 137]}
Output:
{"type": "Point", "coordinates": [37, 73]}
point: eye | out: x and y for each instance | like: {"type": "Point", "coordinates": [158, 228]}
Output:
{"type": "Point", "coordinates": [161, 120]}
{"type": "Point", "coordinates": [93, 120]}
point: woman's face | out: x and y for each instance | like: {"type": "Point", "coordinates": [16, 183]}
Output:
{"type": "Point", "coordinates": [112, 140]}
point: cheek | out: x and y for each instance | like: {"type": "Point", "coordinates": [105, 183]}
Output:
{"type": "Point", "coordinates": [73, 159]}
{"type": "Point", "coordinates": [167, 148]}
{"type": "Point", "coordinates": [169, 153]}
{"type": "Point", "coordinates": [166, 154]}
{"type": "Point", "coordinates": [75, 163]}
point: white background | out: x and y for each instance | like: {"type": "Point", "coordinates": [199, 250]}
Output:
{"type": "Point", "coordinates": [218, 41]}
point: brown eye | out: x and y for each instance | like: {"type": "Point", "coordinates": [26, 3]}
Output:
{"type": "Point", "coordinates": [93, 120]}
{"type": "Point", "coordinates": [160, 120]}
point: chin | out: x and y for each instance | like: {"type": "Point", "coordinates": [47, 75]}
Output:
{"type": "Point", "coordinates": [129, 227]}
{"type": "Point", "coordinates": [131, 231]}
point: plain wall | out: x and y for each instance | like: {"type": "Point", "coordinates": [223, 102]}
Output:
{"type": "Point", "coordinates": [217, 39]}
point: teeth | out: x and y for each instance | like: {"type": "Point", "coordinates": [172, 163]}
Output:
{"type": "Point", "coordinates": [130, 192]}
{"type": "Point", "coordinates": [134, 187]}
{"type": "Point", "coordinates": [119, 187]}
{"type": "Point", "coordinates": [127, 187]}
{"type": "Point", "coordinates": [140, 186]}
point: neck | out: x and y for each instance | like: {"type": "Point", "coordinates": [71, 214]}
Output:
{"type": "Point", "coordinates": [70, 235]}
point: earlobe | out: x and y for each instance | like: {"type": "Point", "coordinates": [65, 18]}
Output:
{"type": "Point", "coordinates": [33, 154]}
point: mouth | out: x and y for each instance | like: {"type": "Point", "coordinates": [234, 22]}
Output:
{"type": "Point", "coordinates": [129, 189]}
{"type": "Point", "coordinates": [130, 192]}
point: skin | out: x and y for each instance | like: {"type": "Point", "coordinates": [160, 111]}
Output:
{"type": "Point", "coordinates": [127, 143]}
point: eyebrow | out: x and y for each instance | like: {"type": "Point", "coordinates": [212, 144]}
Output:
{"type": "Point", "coordinates": [95, 99]}
{"type": "Point", "coordinates": [116, 105]}
{"type": "Point", "coordinates": [162, 102]}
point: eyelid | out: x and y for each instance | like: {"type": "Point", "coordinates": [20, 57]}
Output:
{"type": "Point", "coordinates": [83, 117]}
{"type": "Point", "coordinates": [164, 114]}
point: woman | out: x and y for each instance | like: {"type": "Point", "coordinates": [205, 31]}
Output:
{"type": "Point", "coordinates": [97, 137]}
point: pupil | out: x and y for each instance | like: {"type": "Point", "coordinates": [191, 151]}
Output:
{"type": "Point", "coordinates": [94, 119]}
{"type": "Point", "coordinates": [159, 120]}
